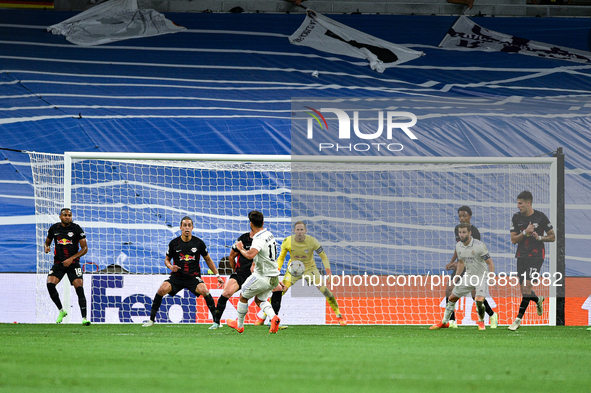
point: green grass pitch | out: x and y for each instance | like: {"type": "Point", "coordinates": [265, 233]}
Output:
{"type": "Point", "coordinates": [191, 358]}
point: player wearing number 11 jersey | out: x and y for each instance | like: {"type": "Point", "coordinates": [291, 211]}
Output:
{"type": "Point", "coordinates": [265, 277]}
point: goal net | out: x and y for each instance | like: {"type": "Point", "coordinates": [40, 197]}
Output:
{"type": "Point", "coordinates": [386, 226]}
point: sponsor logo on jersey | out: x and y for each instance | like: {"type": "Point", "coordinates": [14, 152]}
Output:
{"type": "Point", "coordinates": [187, 257]}
{"type": "Point", "coordinates": [64, 241]}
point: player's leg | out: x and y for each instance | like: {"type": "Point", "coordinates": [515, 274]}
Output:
{"type": "Point", "coordinates": [276, 297]}
{"type": "Point", "coordinates": [250, 288]}
{"type": "Point", "coordinates": [449, 309]}
{"type": "Point", "coordinates": [231, 287]}
{"type": "Point", "coordinates": [54, 277]}
{"type": "Point", "coordinates": [525, 286]}
{"type": "Point", "coordinates": [201, 289]}
{"type": "Point", "coordinates": [487, 308]}
{"type": "Point", "coordinates": [450, 306]}
{"type": "Point", "coordinates": [481, 311]}
{"type": "Point", "coordinates": [460, 289]}
{"type": "Point", "coordinates": [75, 276]}
{"type": "Point", "coordinates": [534, 272]}
{"type": "Point", "coordinates": [242, 310]}
{"type": "Point", "coordinates": [288, 281]}
{"type": "Point", "coordinates": [525, 268]}
{"type": "Point", "coordinates": [265, 306]}
{"type": "Point", "coordinates": [164, 289]}
{"type": "Point", "coordinates": [260, 288]}
{"type": "Point", "coordinates": [494, 317]}
{"type": "Point", "coordinates": [332, 302]}
{"type": "Point", "coordinates": [78, 286]}
{"type": "Point", "coordinates": [314, 278]}
{"type": "Point", "coordinates": [480, 292]}
{"type": "Point", "coordinates": [448, 291]}
{"type": "Point", "coordinates": [263, 303]}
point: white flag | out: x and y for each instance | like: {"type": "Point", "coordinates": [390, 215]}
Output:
{"type": "Point", "coordinates": [467, 35]}
{"type": "Point", "coordinates": [111, 21]}
{"type": "Point", "coordinates": [327, 35]}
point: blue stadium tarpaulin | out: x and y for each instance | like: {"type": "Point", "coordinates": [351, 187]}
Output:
{"type": "Point", "coordinates": [226, 84]}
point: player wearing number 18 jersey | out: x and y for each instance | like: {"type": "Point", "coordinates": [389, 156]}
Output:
{"type": "Point", "coordinates": [70, 245]}
{"type": "Point", "coordinates": [265, 277]}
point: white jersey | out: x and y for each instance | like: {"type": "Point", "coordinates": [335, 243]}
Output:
{"type": "Point", "coordinates": [266, 259]}
{"type": "Point", "coordinates": [474, 256]}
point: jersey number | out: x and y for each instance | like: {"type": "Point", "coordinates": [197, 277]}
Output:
{"type": "Point", "coordinates": [272, 251]}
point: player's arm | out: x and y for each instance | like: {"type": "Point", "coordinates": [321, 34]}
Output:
{"type": "Point", "coordinates": [232, 258]}
{"type": "Point", "coordinates": [248, 254]}
{"type": "Point", "coordinates": [83, 250]}
{"type": "Point", "coordinates": [48, 240]}
{"type": "Point", "coordinates": [461, 267]}
{"type": "Point", "coordinates": [549, 238]}
{"type": "Point", "coordinates": [450, 265]}
{"type": "Point", "coordinates": [214, 269]}
{"type": "Point", "coordinates": [47, 245]}
{"type": "Point", "coordinates": [491, 265]}
{"type": "Point", "coordinates": [325, 261]}
{"type": "Point", "coordinates": [282, 255]}
{"type": "Point", "coordinates": [517, 236]}
{"type": "Point", "coordinates": [170, 265]}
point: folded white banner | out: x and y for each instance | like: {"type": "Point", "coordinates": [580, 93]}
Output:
{"type": "Point", "coordinates": [114, 20]}
{"type": "Point", "coordinates": [467, 35]}
{"type": "Point", "coordinates": [327, 35]}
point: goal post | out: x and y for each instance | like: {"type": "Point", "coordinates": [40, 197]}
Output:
{"type": "Point", "coordinates": [380, 216]}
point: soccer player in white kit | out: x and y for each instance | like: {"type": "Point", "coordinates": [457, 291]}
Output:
{"type": "Point", "coordinates": [265, 276]}
{"type": "Point", "coordinates": [474, 257]}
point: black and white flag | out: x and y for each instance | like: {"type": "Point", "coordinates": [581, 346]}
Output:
{"type": "Point", "coordinates": [327, 35]}
{"type": "Point", "coordinates": [467, 35]}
